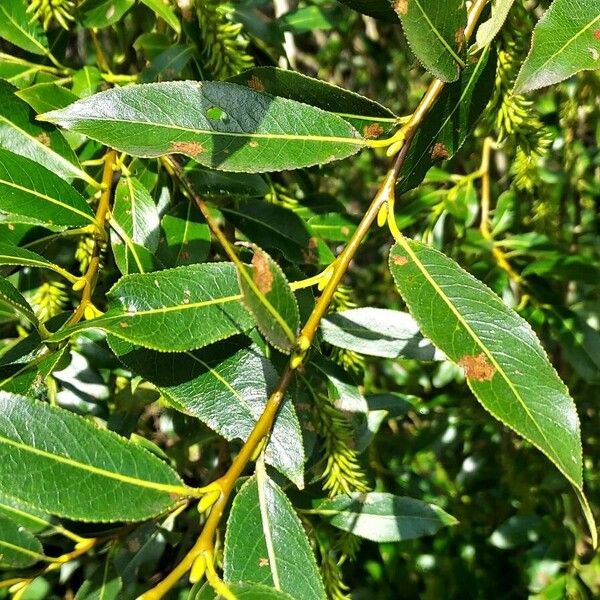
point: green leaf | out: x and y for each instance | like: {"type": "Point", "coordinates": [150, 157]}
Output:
{"type": "Point", "coordinates": [17, 27]}
{"type": "Point", "coordinates": [13, 255]}
{"type": "Point", "coordinates": [221, 125]}
{"type": "Point", "coordinates": [104, 583]}
{"type": "Point", "coordinates": [271, 227]}
{"type": "Point", "coordinates": [566, 40]}
{"type": "Point", "coordinates": [242, 591]}
{"type": "Point", "coordinates": [269, 298]}
{"type": "Point", "coordinates": [383, 517]}
{"type": "Point", "coordinates": [435, 33]}
{"type": "Point", "coordinates": [173, 310]}
{"type": "Point", "coordinates": [489, 29]}
{"type": "Point", "coordinates": [81, 472]}
{"type": "Point", "coordinates": [21, 134]}
{"type": "Point", "coordinates": [380, 9]}
{"type": "Point", "coordinates": [332, 226]}
{"type": "Point", "coordinates": [102, 13]}
{"type": "Point", "coordinates": [504, 363]}
{"type": "Point", "coordinates": [218, 184]}
{"type": "Point", "coordinates": [44, 97]}
{"type": "Point", "coordinates": [449, 122]}
{"type": "Point", "coordinates": [341, 386]}
{"type": "Point", "coordinates": [12, 299]}
{"type": "Point", "coordinates": [24, 515]}
{"type": "Point", "coordinates": [29, 191]}
{"type": "Point", "coordinates": [305, 19]}
{"type": "Point", "coordinates": [165, 12]}
{"type": "Point", "coordinates": [367, 116]}
{"type": "Point", "coordinates": [226, 386]}
{"type": "Point", "coordinates": [265, 542]}
{"type": "Point", "coordinates": [378, 332]}
{"type": "Point", "coordinates": [136, 223]}
{"type": "Point", "coordinates": [186, 236]}
{"type": "Point", "coordinates": [19, 548]}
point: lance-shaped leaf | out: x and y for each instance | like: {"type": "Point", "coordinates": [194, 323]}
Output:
{"type": "Point", "coordinates": [102, 13]}
{"type": "Point", "coordinates": [173, 310]}
{"type": "Point", "coordinates": [449, 122]}
{"type": "Point", "coordinates": [103, 584]}
{"type": "Point", "coordinates": [61, 463]}
{"type": "Point", "coordinates": [24, 515]}
{"type": "Point", "coordinates": [566, 40]}
{"type": "Point", "coordinates": [378, 332]}
{"type": "Point", "coordinates": [221, 125]}
{"type": "Point", "coordinates": [265, 542]}
{"type": "Point", "coordinates": [19, 548]}
{"type": "Point", "coordinates": [12, 299]}
{"type": "Point", "coordinates": [31, 193]}
{"type": "Point", "coordinates": [13, 255]}
{"type": "Point", "coordinates": [269, 298]}
{"type": "Point", "coordinates": [226, 386]}
{"type": "Point", "coordinates": [383, 517]}
{"type": "Point", "coordinates": [242, 591]}
{"type": "Point", "coordinates": [380, 9]}
{"type": "Point", "coordinates": [19, 29]}
{"type": "Point", "coordinates": [436, 33]}
{"type": "Point", "coordinates": [488, 30]}
{"type": "Point", "coordinates": [504, 362]}
{"type": "Point", "coordinates": [165, 12]}
{"type": "Point", "coordinates": [367, 116]}
{"type": "Point", "coordinates": [45, 145]}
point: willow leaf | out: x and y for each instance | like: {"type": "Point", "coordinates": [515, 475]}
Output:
{"type": "Point", "coordinates": [61, 463]}
{"type": "Point", "coordinates": [11, 298]}
{"type": "Point", "coordinates": [19, 548]}
{"type": "Point", "coordinates": [221, 125]}
{"type": "Point", "coordinates": [13, 255]}
{"type": "Point", "coordinates": [504, 362]}
{"type": "Point", "coordinates": [31, 193]}
{"type": "Point", "coordinates": [27, 516]}
{"type": "Point", "coordinates": [173, 310]}
{"type": "Point", "coordinates": [488, 30]}
{"type": "Point", "coordinates": [19, 29]}
{"type": "Point", "coordinates": [566, 40]}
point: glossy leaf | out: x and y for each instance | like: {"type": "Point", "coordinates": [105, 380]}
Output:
{"type": "Point", "coordinates": [165, 12]}
{"type": "Point", "coordinates": [102, 13]}
{"type": "Point", "coordinates": [226, 386]}
{"type": "Point", "coordinates": [81, 472]}
{"type": "Point", "coordinates": [380, 9]}
{"type": "Point", "coordinates": [242, 591]}
{"type": "Point", "coordinates": [13, 255]}
{"type": "Point", "coordinates": [566, 40]}
{"type": "Point", "coordinates": [221, 125]}
{"type": "Point", "coordinates": [504, 363]}
{"type": "Point", "coordinates": [367, 116]}
{"type": "Point", "coordinates": [173, 310]}
{"type": "Point", "coordinates": [378, 332]}
{"type": "Point", "coordinates": [450, 121]}
{"type": "Point", "coordinates": [24, 515]}
{"type": "Point", "coordinates": [17, 27]}
{"type": "Point", "coordinates": [186, 237]}
{"type": "Point", "coordinates": [265, 542]}
{"type": "Point", "coordinates": [30, 192]}
{"type": "Point", "coordinates": [435, 33]}
{"type": "Point", "coordinates": [268, 296]}
{"type": "Point", "coordinates": [383, 517]}
{"type": "Point", "coordinates": [12, 299]}
{"type": "Point", "coordinates": [218, 184]}
{"type": "Point", "coordinates": [21, 134]}
{"type": "Point", "coordinates": [43, 97]}
{"type": "Point", "coordinates": [136, 215]}
{"type": "Point", "coordinates": [19, 548]}
{"type": "Point", "coordinates": [489, 29]}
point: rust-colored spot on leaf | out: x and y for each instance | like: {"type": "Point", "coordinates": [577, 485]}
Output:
{"type": "Point", "coordinates": [401, 6]}
{"type": "Point", "coordinates": [597, 34]}
{"type": "Point", "coordinates": [263, 562]}
{"type": "Point", "coordinates": [134, 545]}
{"type": "Point", "coordinates": [43, 138]}
{"type": "Point", "coordinates": [372, 131]}
{"type": "Point", "coordinates": [192, 149]}
{"type": "Point", "coordinates": [399, 260]}
{"type": "Point", "coordinates": [263, 278]}
{"type": "Point", "coordinates": [439, 152]}
{"type": "Point", "coordinates": [459, 37]}
{"type": "Point", "coordinates": [256, 84]}
{"type": "Point", "coordinates": [477, 367]}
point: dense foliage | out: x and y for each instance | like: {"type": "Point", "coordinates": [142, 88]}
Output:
{"type": "Point", "coordinates": [299, 299]}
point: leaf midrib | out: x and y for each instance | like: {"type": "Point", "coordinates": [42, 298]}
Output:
{"type": "Point", "coordinates": [35, 41]}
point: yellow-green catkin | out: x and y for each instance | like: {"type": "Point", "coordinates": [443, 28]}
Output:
{"type": "Point", "coordinates": [84, 252]}
{"type": "Point", "coordinates": [513, 116]}
{"type": "Point", "coordinates": [48, 11]}
{"type": "Point", "coordinates": [223, 43]}
{"type": "Point", "coordinates": [49, 299]}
